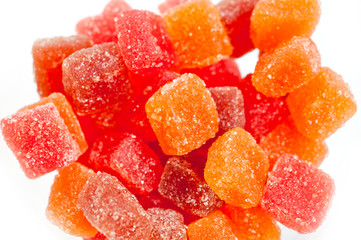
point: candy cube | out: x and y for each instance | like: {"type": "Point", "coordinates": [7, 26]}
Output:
{"type": "Point", "coordinates": [287, 67]}
{"type": "Point", "coordinates": [40, 140]}
{"type": "Point", "coordinates": [183, 115]}
{"type": "Point", "coordinates": [113, 210]}
{"type": "Point", "coordinates": [327, 103]}
{"type": "Point", "coordinates": [62, 209]}
{"type": "Point", "coordinates": [181, 185]}
{"type": "Point", "coordinates": [276, 21]}
{"type": "Point", "coordinates": [297, 194]}
{"type": "Point", "coordinates": [197, 34]}
{"type": "Point", "coordinates": [48, 56]}
{"type": "Point", "coordinates": [237, 168]}
{"type": "Point", "coordinates": [96, 79]}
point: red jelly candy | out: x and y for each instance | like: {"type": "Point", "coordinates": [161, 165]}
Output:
{"type": "Point", "coordinates": [99, 236]}
{"type": "Point", "coordinates": [297, 194]}
{"type": "Point", "coordinates": [40, 140]}
{"type": "Point", "coordinates": [135, 164]}
{"type": "Point", "coordinates": [144, 42]}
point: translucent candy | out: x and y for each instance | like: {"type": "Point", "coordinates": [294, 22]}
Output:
{"type": "Point", "coordinates": [237, 168]}
{"type": "Point", "coordinates": [285, 138]}
{"type": "Point", "coordinates": [183, 115]}
{"type": "Point", "coordinates": [197, 33]}
{"type": "Point", "coordinates": [113, 210]}
{"type": "Point", "coordinates": [40, 140]}
{"type": "Point", "coordinates": [167, 224]}
{"type": "Point", "coordinates": [215, 226]}
{"type": "Point", "coordinates": [62, 209]}
{"type": "Point", "coordinates": [236, 17]}
{"type": "Point", "coordinates": [263, 113]}
{"type": "Point", "coordinates": [327, 103]}
{"type": "Point", "coordinates": [297, 194]}
{"type": "Point", "coordinates": [144, 42]}
{"type": "Point", "coordinates": [95, 79]}
{"type": "Point", "coordinates": [276, 21]}
{"type": "Point", "coordinates": [48, 56]}
{"type": "Point", "coordinates": [99, 236]}
{"type": "Point", "coordinates": [181, 185]}
{"type": "Point", "coordinates": [130, 159]}
{"type": "Point", "coordinates": [252, 223]}
{"type": "Point", "coordinates": [230, 107]}
{"type": "Point", "coordinates": [287, 67]}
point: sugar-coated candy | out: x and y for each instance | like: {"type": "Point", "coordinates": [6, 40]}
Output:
{"type": "Point", "coordinates": [327, 103]}
{"type": "Point", "coordinates": [113, 210]}
{"type": "Point", "coordinates": [197, 34]}
{"type": "Point", "coordinates": [168, 4]}
{"type": "Point", "coordinates": [230, 107]}
{"type": "Point", "coordinates": [222, 73]}
{"type": "Point", "coordinates": [62, 209]}
{"type": "Point", "coordinates": [48, 56]}
{"type": "Point", "coordinates": [144, 42]}
{"type": "Point", "coordinates": [237, 168]}
{"type": "Point", "coordinates": [285, 138]}
{"type": "Point", "coordinates": [98, 236]}
{"type": "Point", "coordinates": [130, 159]}
{"type": "Point", "coordinates": [263, 113]}
{"type": "Point", "coordinates": [40, 140]}
{"type": "Point", "coordinates": [252, 223]}
{"type": "Point", "coordinates": [276, 21]}
{"type": "Point", "coordinates": [167, 224]}
{"type": "Point", "coordinates": [183, 115]}
{"type": "Point", "coordinates": [287, 67]}
{"type": "Point", "coordinates": [215, 226]}
{"type": "Point", "coordinates": [96, 79]}
{"type": "Point", "coordinates": [297, 194]}
{"type": "Point", "coordinates": [101, 28]}
{"type": "Point", "coordinates": [181, 185]}
{"type": "Point", "coordinates": [236, 17]}
{"type": "Point", "coordinates": [66, 112]}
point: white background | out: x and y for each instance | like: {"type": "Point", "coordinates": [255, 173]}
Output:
{"type": "Point", "coordinates": [23, 201]}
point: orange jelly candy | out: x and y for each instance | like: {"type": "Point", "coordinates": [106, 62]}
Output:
{"type": "Point", "coordinates": [63, 208]}
{"type": "Point", "coordinates": [252, 223]}
{"type": "Point", "coordinates": [276, 21]}
{"type": "Point", "coordinates": [237, 168]}
{"type": "Point", "coordinates": [285, 138]}
{"type": "Point", "coordinates": [183, 115]}
{"type": "Point", "coordinates": [287, 67]}
{"type": "Point", "coordinates": [197, 34]}
{"type": "Point", "coordinates": [215, 226]}
{"type": "Point", "coordinates": [327, 103]}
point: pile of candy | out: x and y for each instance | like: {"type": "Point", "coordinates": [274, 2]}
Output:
{"type": "Point", "coordinates": [157, 136]}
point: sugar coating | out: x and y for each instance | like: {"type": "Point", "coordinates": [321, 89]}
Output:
{"type": "Point", "coordinates": [297, 194]}
{"type": "Point", "coordinates": [276, 21]}
{"type": "Point", "coordinates": [197, 34]}
{"type": "Point", "coordinates": [216, 226]}
{"type": "Point", "coordinates": [167, 224]}
{"type": "Point", "coordinates": [48, 55]}
{"type": "Point", "coordinates": [252, 223]}
{"type": "Point", "coordinates": [327, 103]}
{"type": "Point", "coordinates": [69, 117]}
{"type": "Point", "coordinates": [237, 168]}
{"type": "Point", "coordinates": [168, 4]}
{"type": "Point", "coordinates": [230, 107]}
{"type": "Point", "coordinates": [62, 209]}
{"type": "Point", "coordinates": [40, 140]}
{"type": "Point", "coordinates": [96, 79]}
{"type": "Point", "coordinates": [236, 17]}
{"type": "Point", "coordinates": [130, 159]}
{"type": "Point", "coordinates": [222, 73]}
{"type": "Point", "coordinates": [181, 185]}
{"type": "Point", "coordinates": [144, 42]}
{"type": "Point", "coordinates": [101, 28]}
{"type": "Point", "coordinates": [287, 67]}
{"type": "Point", "coordinates": [183, 115]}
{"type": "Point", "coordinates": [285, 138]}
{"type": "Point", "coordinates": [113, 210]}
